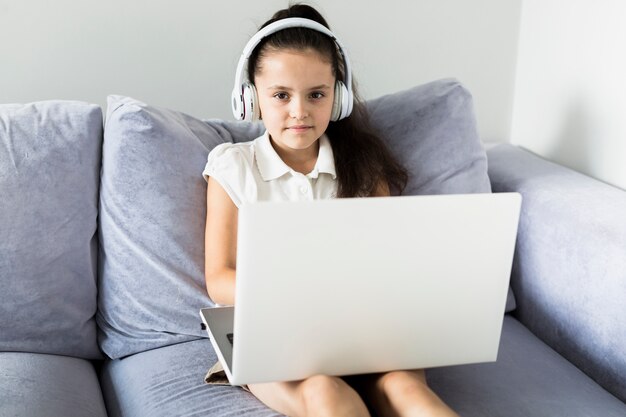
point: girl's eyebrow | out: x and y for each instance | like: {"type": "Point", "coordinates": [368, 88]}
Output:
{"type": "Point", "coordinates": [280, 87]}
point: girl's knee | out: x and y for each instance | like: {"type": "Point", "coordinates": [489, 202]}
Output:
{"type": "Point", "coordinates": [327, 395]}
{"type": "Point", "coordinates": [408, 394]}
{"type": "Point", "coordinates": [403, 382]}
{"type": "Point", "coordinates": [319, 389]}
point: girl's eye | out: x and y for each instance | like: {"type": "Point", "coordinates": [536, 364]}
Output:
{"type": "Point", "coordinates": [317, 95]}
{"type": "Point", "coordinates": [281, 96]}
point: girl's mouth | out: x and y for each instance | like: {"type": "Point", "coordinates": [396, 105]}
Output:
{"type": "Point", "coordinates": [299, 128]}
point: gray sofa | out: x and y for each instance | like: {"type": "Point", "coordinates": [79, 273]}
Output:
{"type": "Point", "coordinates": [101, 262]}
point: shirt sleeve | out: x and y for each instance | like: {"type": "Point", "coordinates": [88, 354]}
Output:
{"type": "Point", "coordinates": [228, 166]}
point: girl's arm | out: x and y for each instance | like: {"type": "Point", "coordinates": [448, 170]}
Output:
{"type": "Point", "coordinates": [220, 244]}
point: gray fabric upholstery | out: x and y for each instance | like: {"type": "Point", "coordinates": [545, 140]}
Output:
{"type": "Point", "coordinates": [152, 215]}
{"type": "Point", "coordinates": [35, 385]}
{"type": "Point", "coordinates": [49, 176]}
{"type": "Point", "coordinates": [569, 272]}
{"type": "Point", "coordinates": [432, 131]}
{"type": "Point", "coordinates": [528, 379]}
{"type": "Point", "coordinates": [170, 382]}
{"type": "Point", "coordinates": [510, 301]}
{"type": "Point", "coordinates": [152, 200]}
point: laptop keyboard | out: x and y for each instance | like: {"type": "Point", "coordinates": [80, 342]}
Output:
{"type": "Point", "coordinates": [230, 338]}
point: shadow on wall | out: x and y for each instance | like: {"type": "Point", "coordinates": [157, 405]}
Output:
{"type": "Point", "coordinates": [573, 145]}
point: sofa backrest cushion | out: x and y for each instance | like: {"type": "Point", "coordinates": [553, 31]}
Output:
{"type": "Point", "coordinates": [152, 215]}
{"type": "Point", "coordinates": [153, 200]}
{"type": "Point", "coordinates": [432, 131]}
{"type": "Point", "coordinates": [49, 178]}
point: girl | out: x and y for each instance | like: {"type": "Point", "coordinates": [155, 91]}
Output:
{"type": "Point", "coordinates": [314, 146]}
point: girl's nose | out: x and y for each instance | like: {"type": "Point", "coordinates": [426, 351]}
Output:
{"type": "Point", "coordinates": [298, 109]}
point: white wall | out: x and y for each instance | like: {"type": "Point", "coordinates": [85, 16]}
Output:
{"type": "Point", "coordinates": [182, 54]}
{"type": "Point", "coordinates": [571, 85]}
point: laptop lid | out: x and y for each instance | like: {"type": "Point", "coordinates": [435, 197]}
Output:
{"type": "Point", "coordinates": [349, 286]}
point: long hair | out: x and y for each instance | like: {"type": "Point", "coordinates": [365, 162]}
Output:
{"type": "Point", "coordinates": [362, 161]}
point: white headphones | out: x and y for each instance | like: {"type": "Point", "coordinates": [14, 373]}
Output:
{"type": "Point", "coordinates": [244, 96]}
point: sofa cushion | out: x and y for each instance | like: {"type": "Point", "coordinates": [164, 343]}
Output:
{"type": "Point", "coordinates": [528, 379]}
{"type": "Point", "coordinates": [153, 206]}
{"type": "Point", "coordinates": [169, 381]}
{"type": "Point", "coordinates": [432, 131]}
{"type": "Point", "coordinates": [49, 177]}
{"type": "Point", "coordinates": [570, 263]}
{"type": "Point", "coordinates": [152, 215]}
{"type": "Point", "coordinates": [35, 384]}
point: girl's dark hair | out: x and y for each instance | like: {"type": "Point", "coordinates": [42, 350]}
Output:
{"type": "Point", "coordinates": [362, 161]}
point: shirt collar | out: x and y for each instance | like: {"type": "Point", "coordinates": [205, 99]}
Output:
{"type": "Point", "coordinates": [271, 166]}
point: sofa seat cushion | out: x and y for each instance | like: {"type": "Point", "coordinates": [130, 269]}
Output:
{"type": "Point", "coordinates": [529, 379]}
{"type": "Point", "coordinates": [36, 384]}
{"type": "Point", "coordinates": [169, 381]}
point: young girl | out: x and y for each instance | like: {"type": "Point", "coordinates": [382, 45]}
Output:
{"type": "Point", "coordinates": [315, 146]}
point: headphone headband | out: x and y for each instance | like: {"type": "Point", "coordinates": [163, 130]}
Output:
{"type": "Point", "coordinates": [241, 76]}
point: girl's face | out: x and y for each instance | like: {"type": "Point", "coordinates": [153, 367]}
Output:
{"type": "Point", "coordinates": [295, 91]}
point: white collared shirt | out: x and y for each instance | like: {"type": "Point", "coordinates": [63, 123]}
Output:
{"type": "Point", "coordinates": [253, 171]}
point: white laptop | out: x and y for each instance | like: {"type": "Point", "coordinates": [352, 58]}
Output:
{"type": "Point", "coordinates": [364, 285]}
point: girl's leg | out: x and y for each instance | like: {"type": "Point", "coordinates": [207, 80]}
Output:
{"type": "Point", "coordinates": [405, 394]}
{"type": "Point", "coordinates": [316, 396]}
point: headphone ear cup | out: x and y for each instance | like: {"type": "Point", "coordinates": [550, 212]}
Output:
{"type": "Point", "coordinates": [342, 102]}
{"type": "Point", "coordinates": [237, 104]}
{"type": "Point", "coordinates": [337, 102]}
{"type": "Point", "coordinates": [347, 101]}
{"type": "Point", "coordinates": [251, 110]}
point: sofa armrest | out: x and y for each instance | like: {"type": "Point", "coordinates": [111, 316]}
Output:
{"type": "Point", "coordinates": [569, 271]}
